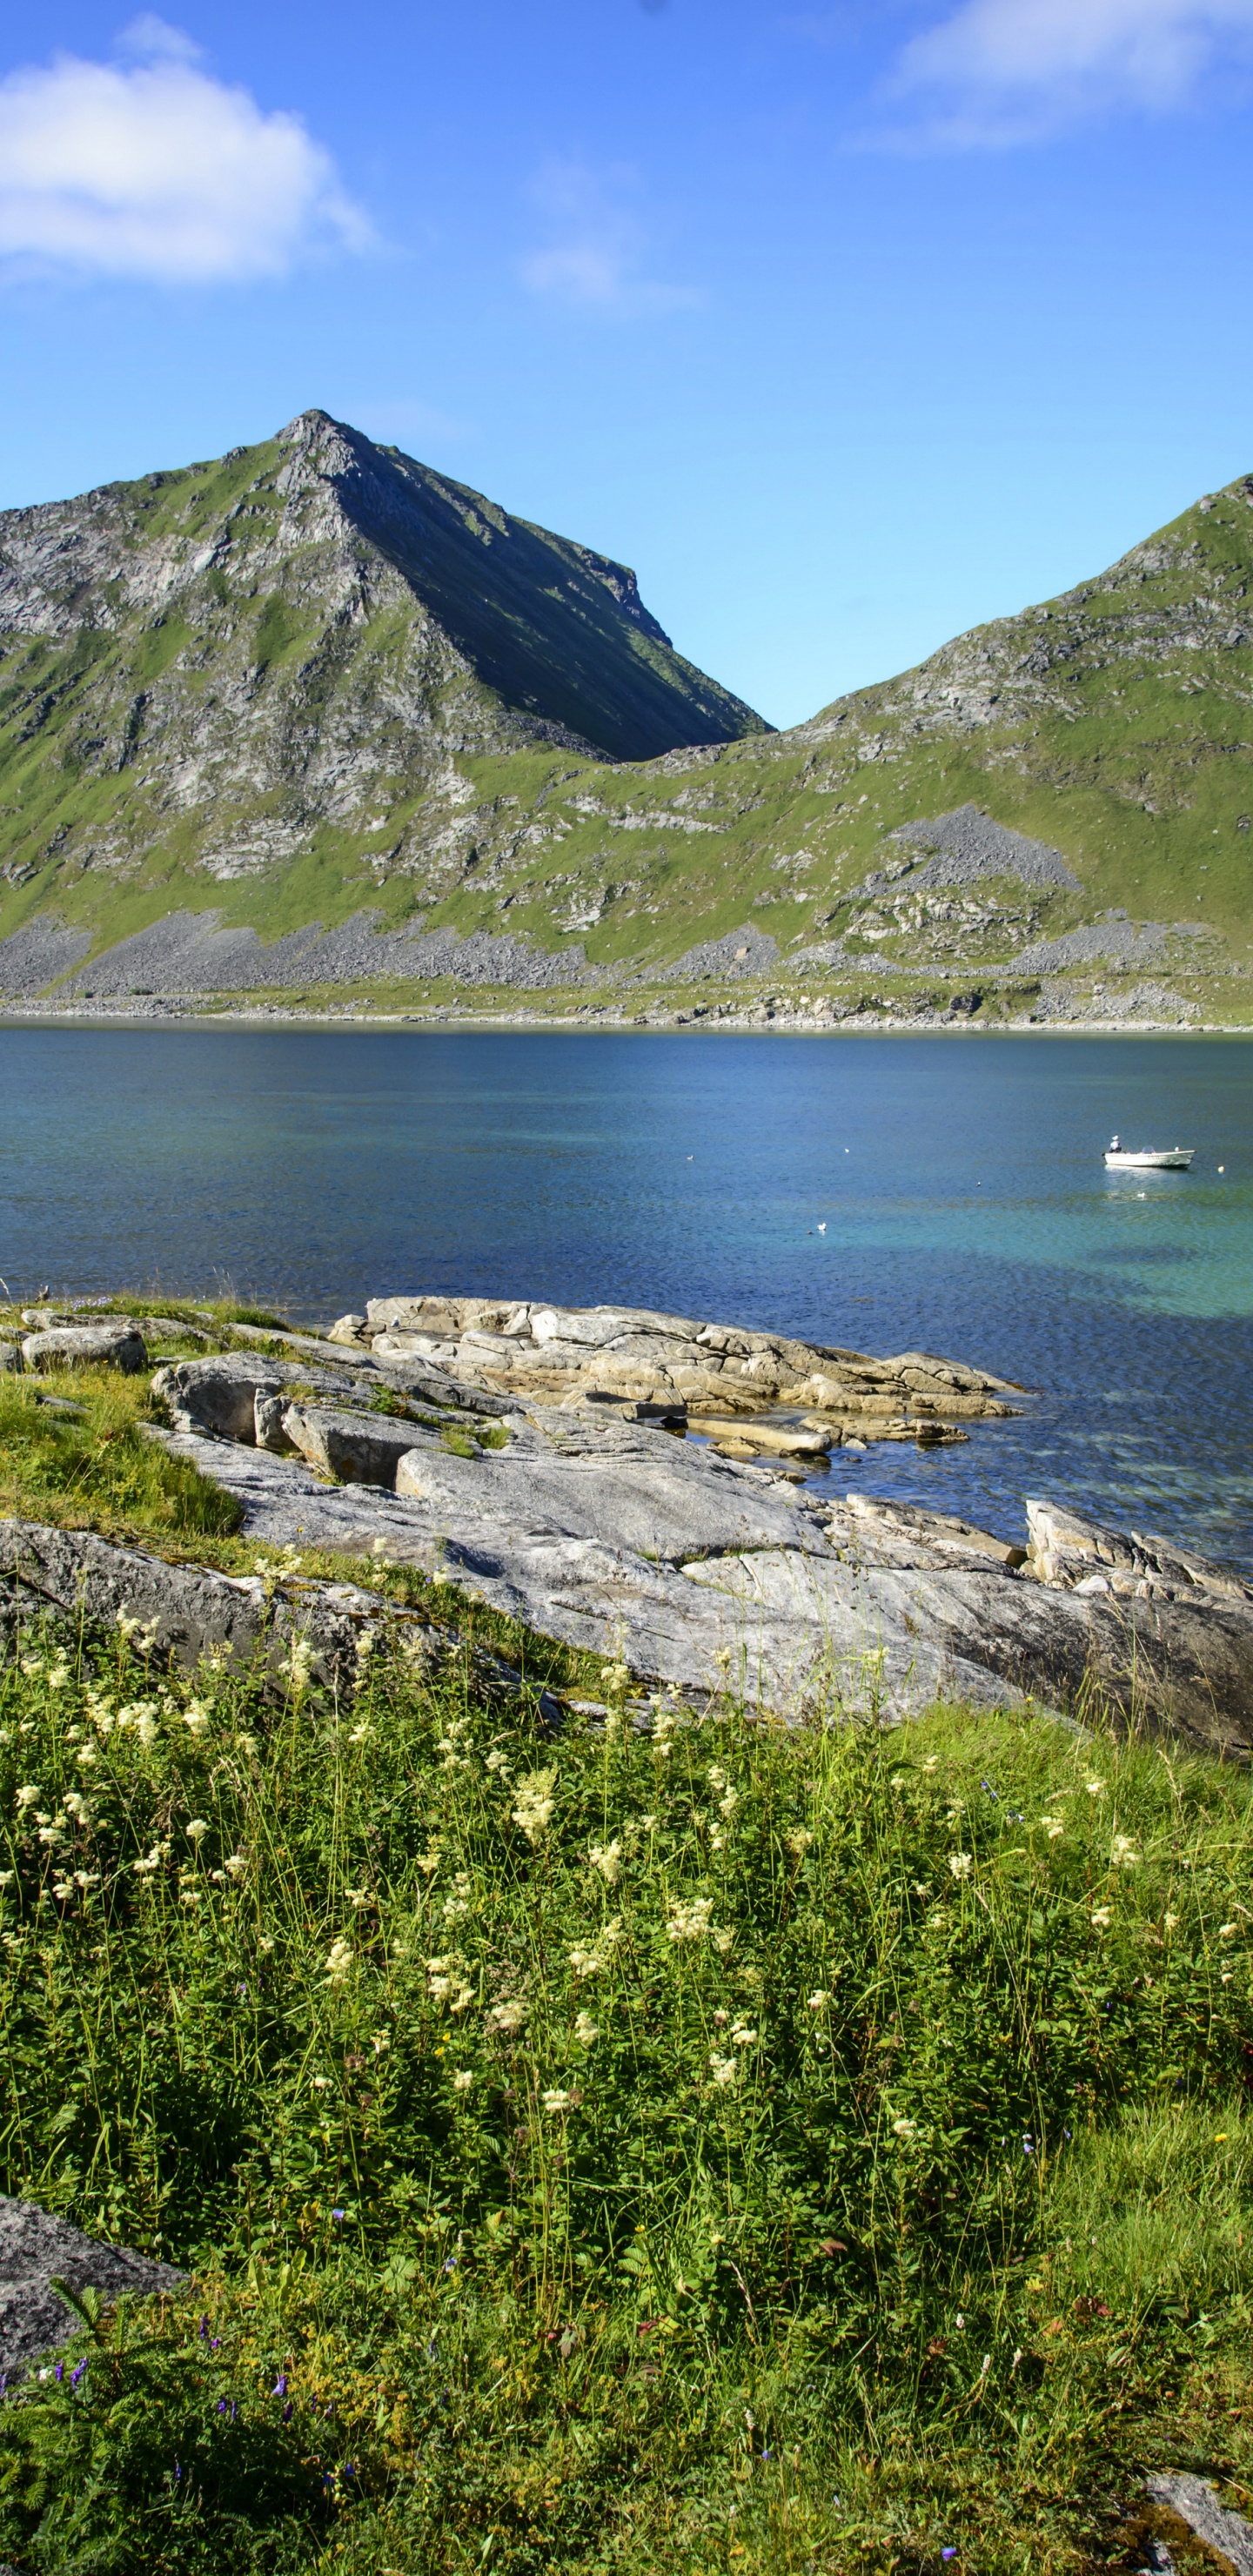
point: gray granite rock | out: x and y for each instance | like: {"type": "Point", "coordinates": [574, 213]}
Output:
{"type": "Point", "coordinates": [115, 1345]}
{"type": "Point", "coordinates": [220, 1394]}
{"type": "Point", "coordinates": [354, 1448]}
{"type": "Point", "coordinates": [1196, 2503]}
{"type": "Point", "coordinates": [35, 2248]}
{"type": "Point", "coordinates": [788, 1614]}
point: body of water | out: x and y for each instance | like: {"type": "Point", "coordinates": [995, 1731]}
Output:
{"type": "Point", "coordinates": [959, 1180]}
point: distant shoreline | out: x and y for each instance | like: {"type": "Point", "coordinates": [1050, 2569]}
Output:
{"type": "Point", "coordinates": [452, 1019]}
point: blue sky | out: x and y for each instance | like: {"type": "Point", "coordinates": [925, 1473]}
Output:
{"type": "Point", "coordinates": [847, 326]}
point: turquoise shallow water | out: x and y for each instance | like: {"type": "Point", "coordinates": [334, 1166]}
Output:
{"type": "Point", "coordinates": [960, 1181]}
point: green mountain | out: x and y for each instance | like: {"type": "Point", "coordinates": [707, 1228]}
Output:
{"type": "Point", "coordinates": [316, 717]}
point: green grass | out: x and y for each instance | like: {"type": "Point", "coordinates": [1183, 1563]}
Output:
{"type": "Point", "coordinates": [721, 2148]}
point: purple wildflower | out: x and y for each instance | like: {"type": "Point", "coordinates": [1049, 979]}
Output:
{"type": "Point", "coordinates": [59, 2372]}
{"type": "Point", "coordinates": [339, 2213]}
{"type": "Point", "coordinates": [77, 2373]}
{"type": "Point", "coordinates": [280, 2385]}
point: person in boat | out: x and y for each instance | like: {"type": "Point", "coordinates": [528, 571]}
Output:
{"type": "Point", "coordinates": [1115, 1145]}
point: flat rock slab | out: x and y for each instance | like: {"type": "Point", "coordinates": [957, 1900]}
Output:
{"type": "Point", "coordinates": [33, 2247]}
{"type": "Point", "coordinates": [621, 1487]}
{"type": "Point", "coordinates": [576, 1545]}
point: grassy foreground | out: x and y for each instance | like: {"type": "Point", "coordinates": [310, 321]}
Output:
{"type": "Point", "coordinates": [720, 2149]}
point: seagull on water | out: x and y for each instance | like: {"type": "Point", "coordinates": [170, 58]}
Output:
{"type": "Point", "coordinates": [822, 1228]}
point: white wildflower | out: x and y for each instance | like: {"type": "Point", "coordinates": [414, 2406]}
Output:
{"type": "Point", "coordinates": [591, 1962]}
{"type": "Point", "coordinates": [1226, 1931]}
{"type": "Point", "coordinates": [555, 2100]}
{"type": "Point", "coordinates": [498, 1761]}
{"type": "Point", "coordinates": [462, 1998]}
{"type": "Point", "coordinates": [508, 2017]}
{"type": "Point", "coordinates": [339, 1961]}
{"type": "Point", "coordinates": [724, 2070]}
{"type": "Point", "coordinates": [1054, 1827]}
{"type": "Point", "coordinates": [462, 2080]}
{"type": "Point", "coordinates": [197, 1716]}
{"type": "Point", "coordinates": [723, 1942]}
{"type": "Point", "coordinates": [690, 1921]}
{"type": "Point", "coordinates": [197, 1829]}
{"type": "Point", "coordinates": [30, 1795]}
{"type": "Point", "coordinates": [1095, 1788]}
{"type": "Point", "coordinates": [905, 2128]}
{"type": "Point", "coordinates": [819, 1999]}
{"type": "Point", "coordinates": [960, 1864]}
{"type": "Point", "coordinates": [799, 1840]}
{"type": "Point", "coordinates": [607, 1858]}
{"type": "Point", "coordinates": [1123, 1852]}
{"type": "Point", "coordinates": [585, 2030]}
{"type": "Point", "coordinates": [300, 1666]}
{"type": "Point", "coordinates": [742, 2035]}
{"type": "Point", "coordinates": [1102, 1916]}
{"type": "Point", "coordinates": [1170, 1922]}
{"type": "Point", "coordinates": [932, 1762]}
{"type": "Point", "coordinates": [534, 1802]}
{"type": "Point", "coordinates": [128, 1626]}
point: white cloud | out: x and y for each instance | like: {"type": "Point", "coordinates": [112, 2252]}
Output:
{"type": "Point", "coordinates": [157, 170]}
{"type": "Point", "coordinates": [1006, 67]}
{"type": "Point", "coordinates": [595, 255]}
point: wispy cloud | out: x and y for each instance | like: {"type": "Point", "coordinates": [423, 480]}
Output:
{"type": "Point", "coordinates": [998, 71]}
{"type": "Point", "coordinates": [595, 255]}
{"type": "Point", "coordinates": [150, 167]}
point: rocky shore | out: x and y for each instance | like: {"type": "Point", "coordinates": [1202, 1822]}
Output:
{"type": "Point", "coordinates": [658, 1489]}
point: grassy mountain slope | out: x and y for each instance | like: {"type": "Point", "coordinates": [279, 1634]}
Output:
{"type": "Point", "coordinates": [1113, 725]}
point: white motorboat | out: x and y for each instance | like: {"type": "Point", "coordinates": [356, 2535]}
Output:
{"type": "Point", "coordinates": [1150, 1158]}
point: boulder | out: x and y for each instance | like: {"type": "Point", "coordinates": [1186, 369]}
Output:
{"type": "Point", "coordinates": [10, 1359]}
{"type": "Point", "coordinates": [115, 1345]}
{"type": "Point", "coordinates": [347, 1328]}
{"type": "Point", "coordinates": [35, 2248]}
{"type": "Point", "coordinates": [267, 1413]}
{"type": "Point", "coordinates": [354, 1448]}
{"type": "Point", "coordinates": [219, 1395]}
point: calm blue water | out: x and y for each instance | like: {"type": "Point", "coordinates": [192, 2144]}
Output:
{"type": "Point", "coordinates": [967, 1211]}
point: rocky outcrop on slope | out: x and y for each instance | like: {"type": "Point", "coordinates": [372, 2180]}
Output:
{"type": "Point", "coordinates": [497, 1449]}
{"type": "Point", "coordinates": [654, 1488]}
{"type": "Point", "coordinates": [606, 1354]}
